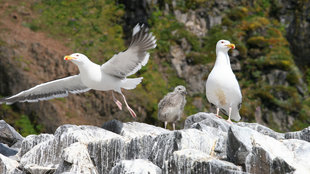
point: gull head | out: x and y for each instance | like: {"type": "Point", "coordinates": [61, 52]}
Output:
{"type": "Point", "coordinates": [77, 58]}
{"type": "Point", "coordinates": [224, 45]}
{"type": "Point", "coordinates": [180, 89]}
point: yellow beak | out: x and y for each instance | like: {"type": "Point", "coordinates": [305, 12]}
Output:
{"type": "Point", "coordinates": [232, 46]}
{"type": "Point", "coordinates": [69, 58]}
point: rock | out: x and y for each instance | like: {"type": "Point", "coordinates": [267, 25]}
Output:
{"type": "Point", "coordinates": [137, 166]}
{"type": "Point", "coordinates": [206, 145]}
{"type": "Point", "coordinates": [8, 135]}
{"type": "Point", "coordinates": [208, 119]}
{"type": "Point", "coordinates": [266, 164]}
{"type": "Point", "coordinates": [113, 126]}
{"type": "Point", "coordinates": [35, 169]}
{"type": "Point", "coordinates": [8, 166]}
{"type": "Point", "coordinates": [302, 135]}
{"type": "Point", "coordinates": [257, 151]}
{"type": "Point", "coordinates": [191, 161]}
{"type": "Point", "coordinates": [70, 163]}
{"type": "Point", "coordinates": [193, 22]}
{"type": "Point", "coordinates": [32, 140]}
{"type": "Point", "coordinates": [64, 136]}
{"type": "Point", "coordinates": [7, 151]}
{"type": "Point", "coordinates": [166, 144]}
{"type": "Point", "coordinates": [262, 129]}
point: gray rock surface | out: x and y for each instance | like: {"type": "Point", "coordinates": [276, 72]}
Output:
{"type": "Point", "coordinates": [302, 135]}
{"type": "Point", "coordinates": [206, 145]}
{"type": "Point", "coordinates": [137, 166]}
{"type": "Point", "coordinates": [7, 151]}
{"type": "Point", "coordinates": [8, 135]}
{"type": "Point", "coordinates": [189, 161]}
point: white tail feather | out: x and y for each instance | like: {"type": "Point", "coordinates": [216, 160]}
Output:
{"type": "Point", "coordinates": [131, 83]}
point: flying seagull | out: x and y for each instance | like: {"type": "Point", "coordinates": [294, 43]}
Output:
{"type": "Point", "coordinates": [171, 107]}
{"type": "Point", "coordinates": [222, 88]}
{"type": "Point", "coordinates": [112, 75]}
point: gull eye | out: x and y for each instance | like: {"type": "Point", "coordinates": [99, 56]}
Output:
{"type": "Point", "coordinates": [222, 41]}
{"type": "Point", "coordinates": [77, 55]}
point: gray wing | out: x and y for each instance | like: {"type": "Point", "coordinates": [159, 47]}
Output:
{"type": "Point", "coordinates": [49, 90]}
{"type": "Point", "coordinates": [130, 61]}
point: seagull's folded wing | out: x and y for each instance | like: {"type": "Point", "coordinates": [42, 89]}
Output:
{"type": "Point", "coordinates": [130, 61]}
{"type": "Point", "coordinates": [49, 90]}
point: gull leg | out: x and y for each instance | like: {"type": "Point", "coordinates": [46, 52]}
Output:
{"type": "Point", "coordinates": [132, 113]}
{"type": "Point", "coordinates": [173, 125]}
{"type": "Point", "coordinates": [166, 125]}
{"type": "Point", "coordinates": [118, 103]}
{"type": "Point", "coordinates": [229, 114]}
{"type": "Point", "coordinates": [217, 112]}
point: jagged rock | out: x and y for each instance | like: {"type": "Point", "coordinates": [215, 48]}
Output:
{"type": "Point", "coordinates": [8, 135]}
{"type": "Point", "coordinates": [191, 161]}
{"type": "Point", "coordinates": [193, 22]}
{"type": "Point", "coordinates": [207, 145]}
{"type": "Point", "coordinates": [256, 151]}
{"type": "Point", "coordinates": [32, 140]}
{"type": "Point", "coordinates": [70, 162]}
{"type": "Point", "coordinates": [137, 166]}
{"type": "Point", "coordinates": [166, 144]}
{"type": "Point", "coordinates": [7, 151]}
{"type": "Point", "coordinates": [262, 129]}
{"type": "Point", "coordinates": [208, 119]}
{"type": "Point", "coordinates": [64, 136]}
{"type": "Point", "coordinates": [8, 166]}
{"type": "Point", "coordinates": [35, 169]}
{"type": "Point", "coordinates": [302, 135]}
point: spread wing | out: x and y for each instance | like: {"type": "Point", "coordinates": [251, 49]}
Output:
{"type": "Point", "coordinates": [49, 90]}
{"type": "Point", "coordinates": [130, 61]}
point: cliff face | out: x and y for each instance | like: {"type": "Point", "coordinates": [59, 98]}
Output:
{"type": "Point", "coordinates": [206, 145]}
{"type": "Point", "coordinates": [267, 34]}
{"type": "Point", "coordinates": [270, 38]}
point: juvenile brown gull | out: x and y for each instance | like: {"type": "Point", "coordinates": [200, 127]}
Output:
{"type": "Point", "coordinates": [170, 108]}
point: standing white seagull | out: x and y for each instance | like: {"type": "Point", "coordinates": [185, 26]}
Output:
{"type": "Point", "coordinates": [112, 75]}
{"type": "Point", "coordinates": [222, 88]}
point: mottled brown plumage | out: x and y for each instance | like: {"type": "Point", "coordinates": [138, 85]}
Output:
{"type": "Point", "coordinates": [171, 107]}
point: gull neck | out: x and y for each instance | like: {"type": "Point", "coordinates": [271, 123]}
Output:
{"type": "Point", "coordinates": [222, 58]}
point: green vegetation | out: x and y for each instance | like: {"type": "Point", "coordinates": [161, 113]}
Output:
{"type": "Point", "coordinates": [22, 123]}
{"type": "Point", "coordinates": [91, 27]}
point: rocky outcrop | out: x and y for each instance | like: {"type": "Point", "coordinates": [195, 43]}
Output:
{"type": "Point", "coordinates": [296, 19]}
{"type": "Point", "coordinates": [207, 144]}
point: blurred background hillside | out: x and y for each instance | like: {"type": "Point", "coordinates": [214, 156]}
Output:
{"type": "Point", "coordinates": [271, 59]}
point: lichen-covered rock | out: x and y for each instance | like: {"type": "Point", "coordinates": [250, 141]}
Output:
{"type": "Point", "coordinates": [8, 134]}
{"type": "Point", "coordinates": [191, 161]}
{"type": "Point", "coordinates": [137, 166]}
